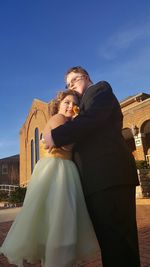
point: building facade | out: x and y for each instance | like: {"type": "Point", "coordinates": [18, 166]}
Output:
{"type": "Point", "coordinates": [9, 170]}
{"type": "Point", "coordinates": [136, 125]}
{"type": "Point", "coordinates": [136, 131]}
{"type": "Point", "coordinates": [30, 135]}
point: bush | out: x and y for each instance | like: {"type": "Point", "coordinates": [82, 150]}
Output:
{"type": "Point", "coordinates": [141, 164]}
{"type": "Point", "coordinates": [18, 195]}
{"type": "Point", "coordinates": [3, 195]}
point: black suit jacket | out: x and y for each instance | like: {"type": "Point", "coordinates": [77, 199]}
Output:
{"type": "Point", "coordinates": [100, 150]}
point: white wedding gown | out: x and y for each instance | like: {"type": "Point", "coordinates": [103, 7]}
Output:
{"type": "Point", "coordinates": [53, 225]}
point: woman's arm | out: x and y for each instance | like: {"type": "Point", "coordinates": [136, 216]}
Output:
{"type": "Point", "coordinates": [53, 123]}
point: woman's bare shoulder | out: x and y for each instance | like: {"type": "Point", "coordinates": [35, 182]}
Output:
{"type": "Point", "coordinates": [57, 119]}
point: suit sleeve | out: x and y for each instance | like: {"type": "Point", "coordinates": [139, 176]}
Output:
{"type": "Point", "coordinates": [98, 108]}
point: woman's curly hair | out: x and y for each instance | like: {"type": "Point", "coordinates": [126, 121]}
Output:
{"type": "Point", "coordinates": [55, 103]}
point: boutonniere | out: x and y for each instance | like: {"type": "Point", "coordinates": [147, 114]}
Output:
{"type": "Point", "coordinates": [76, 110]}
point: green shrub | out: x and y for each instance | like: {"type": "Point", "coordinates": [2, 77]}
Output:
{"type": "Point", "coordinates": [18, 195]}
{"type": "Point", "coordinates": [141, 164]}
{"type": "Point", "coordinates": [3, 195]}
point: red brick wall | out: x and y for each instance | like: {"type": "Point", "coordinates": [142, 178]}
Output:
{"type": "Point", "coordinates": [37, 118]}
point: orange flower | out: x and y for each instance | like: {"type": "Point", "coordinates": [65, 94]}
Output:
{"type": "Point", "coordinates": [76, 110]}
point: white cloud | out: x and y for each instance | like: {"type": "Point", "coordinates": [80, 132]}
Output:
{"type": "Point", "coordinates": [123, 40]}
{"type": "Point", "coordinates": [128, 76]}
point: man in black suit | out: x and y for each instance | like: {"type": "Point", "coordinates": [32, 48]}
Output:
{"type": "Point", "coordinates": [108, 171]}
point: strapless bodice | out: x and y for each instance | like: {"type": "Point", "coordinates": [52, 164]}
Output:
{"type": "Point", "coordinates": [56, 152]}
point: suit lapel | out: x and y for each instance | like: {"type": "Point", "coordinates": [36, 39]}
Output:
{"type": "Point", "coordinates": [83, 97]}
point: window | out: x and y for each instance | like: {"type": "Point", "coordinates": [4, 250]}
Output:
{"type": "Point", "coordinates": [32, 155]}
{"type": "Point", "coordinates": [4, 169]}
{"type": "Point", "coordinates": [36, 145]}
{"type": "Point", "coordinates": [41, 136]}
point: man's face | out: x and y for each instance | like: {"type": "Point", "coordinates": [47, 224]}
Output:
{"type": "Point", "coordinates": [77, 82]}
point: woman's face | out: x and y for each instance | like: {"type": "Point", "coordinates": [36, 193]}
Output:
{"type": "Point", "coordinates": [67, 104]}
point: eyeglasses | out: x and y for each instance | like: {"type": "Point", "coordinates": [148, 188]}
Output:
{"type": "Point", "coordinates": [74, 80]}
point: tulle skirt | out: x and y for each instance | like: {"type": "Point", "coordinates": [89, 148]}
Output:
{"type": "Point", "coordinates": [53, 225]}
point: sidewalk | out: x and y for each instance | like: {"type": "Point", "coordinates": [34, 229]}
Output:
{"type": "Point", "coordinates": [7, 215]}
{"type": "Point", "coordinates": [143, 220]}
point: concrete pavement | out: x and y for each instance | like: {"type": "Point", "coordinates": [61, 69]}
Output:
{"type": "Point", "coordinates": [8, 214]}
{"type": "Point", "coordinates": [143, 221]}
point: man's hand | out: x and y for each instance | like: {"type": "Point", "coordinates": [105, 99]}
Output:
{"type": "Point", "coordinates": [48, 140]}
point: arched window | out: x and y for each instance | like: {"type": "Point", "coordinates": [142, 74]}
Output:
{"type": "Point", "coordinates": [36, 145]}
{"type": "Point", "coordinates": [32, 155]}
{"type": "Point", "coordinates": [41, 136]}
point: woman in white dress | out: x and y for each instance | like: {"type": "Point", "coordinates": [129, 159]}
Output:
{"type": "Point", "coordinates": [53, 225]}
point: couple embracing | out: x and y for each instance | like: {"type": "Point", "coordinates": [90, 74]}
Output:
{"type": "Point", "coordinates": [76, 206]}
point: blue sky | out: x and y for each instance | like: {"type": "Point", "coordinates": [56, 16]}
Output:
{"type": "Point", "coordinates": [41, 39]}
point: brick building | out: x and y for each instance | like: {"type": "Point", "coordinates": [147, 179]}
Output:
{"type": "Point", "coordinates": [136, 125]}
{"type": "Point", "coordinates": [136, 131]}
{"type": "Point", "coordinates": [9, 170]}
{"type": "Point", "coordinates": [30, 134]}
